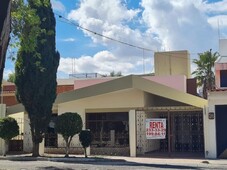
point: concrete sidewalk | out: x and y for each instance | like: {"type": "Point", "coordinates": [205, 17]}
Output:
{"type": "Point", "coordinates": [118, 160]}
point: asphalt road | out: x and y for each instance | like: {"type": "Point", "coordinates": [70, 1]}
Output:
{"type": "Point", "coordinates": [51, 165]}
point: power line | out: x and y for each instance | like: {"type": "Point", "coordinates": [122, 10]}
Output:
{"type": "Point", "coordinates": [101, 35]}
{"type": "Point", "coordinates": [119, 41]}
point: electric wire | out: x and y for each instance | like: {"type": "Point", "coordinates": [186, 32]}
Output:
{"type": "Point", "coordinates": [169, 53]}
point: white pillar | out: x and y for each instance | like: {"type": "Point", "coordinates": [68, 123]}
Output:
{"type": "Point", "coordinates": [27, 140]}
{"type": "Point", "coordinates": [210, 133]}
{"type": "Point", "coordinates": [88, 149]}
{"type": "Point", "coordinates": [41, 148]}
{"type": "Point", "coordinates": [2, 142]}
{"type": "Point", "coordinates": [132, 132]}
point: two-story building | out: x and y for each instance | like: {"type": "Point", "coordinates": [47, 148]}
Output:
{"type": "Point", "coordinates": [216, 114]}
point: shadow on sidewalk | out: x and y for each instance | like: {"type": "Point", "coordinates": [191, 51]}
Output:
{"type": "Point", "coordinates": [99, 161]}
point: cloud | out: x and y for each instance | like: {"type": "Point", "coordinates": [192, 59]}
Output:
{"type": "Point", "coordinates": [215, 7]}
{"type": "Point", "coordinates": [57, 5]}
{"type": "Point", "coordinates": [69, 40]}
{"type": "Point", "coordinates": [157, 25]}
{"type": "Point", "coordinates": [113, 19]}
{"type": "Point", "coordinates": [218, 20]}
{"type": "Point", "coordinates": [179, 24]}
{"type": "Point", "coordinates": [6, 73]}
{"type": "Point", "coordinates": [102, 62]}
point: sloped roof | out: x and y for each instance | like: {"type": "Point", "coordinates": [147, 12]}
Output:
{"type": "Point", "coordinates": [124, 83]}
{"type": "Point", "coordinates": [129, 82]}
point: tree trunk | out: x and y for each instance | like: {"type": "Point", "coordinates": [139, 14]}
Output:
{"type": "Point", "coordinates": [85, 152]}
{"type": "Point", "coordinates": [67, 141]}
{"type": "Point", "coordinates": [35, 152]}
{"type": "Point", "coordinates": [67, 150]}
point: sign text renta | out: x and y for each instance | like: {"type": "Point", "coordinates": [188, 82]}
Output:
{"type": "Point", "coordinates": [155, 128]}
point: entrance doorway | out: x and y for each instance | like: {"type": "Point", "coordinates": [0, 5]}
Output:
{"type": "Point", "coordinates": [221, 126]}
{"type": "Point", "coordinates": [184, 134]}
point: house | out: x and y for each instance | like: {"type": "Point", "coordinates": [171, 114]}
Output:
{"type": "Point", "coordinates": [8, 99]}
{"type": "Point", "coordinates": [116, 111]}
{"type": "Point", "coordinates": [215, 117]}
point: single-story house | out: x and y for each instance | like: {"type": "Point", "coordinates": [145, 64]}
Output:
{"type": "Point", "coordinates": [116, 112]}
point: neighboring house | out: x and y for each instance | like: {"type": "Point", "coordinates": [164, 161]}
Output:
{"type": "Point", "coordinates": [216, 114]}
{"type": "Point", "coordinates": [9, 99]}
{"type": "Point", "coordinates": [116, 110]}
{"type": "Point", "coordinates": [8, 95]}
{"type": "Point", "coordinates": [4, 33]}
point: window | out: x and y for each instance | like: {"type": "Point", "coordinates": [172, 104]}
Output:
{"type": "Point", "coordinates": [108, 129]}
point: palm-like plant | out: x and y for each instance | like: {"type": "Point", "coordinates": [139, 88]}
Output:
{"type": "Point", "coordinates": [205, 71]}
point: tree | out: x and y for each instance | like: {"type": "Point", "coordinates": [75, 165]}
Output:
{"type": "Point", "coordinates": [85, 140]}
{"type": "Point", "coordinates": [8, 129]}
{"type": "Point", "coordinates": [68, 124]}
{"type": "Point", "coordinates": [4, 34]}
{"type": "Point", "coordinates": [11, 77]}
{"type": "Point", "coordinates": [36, 67]}
{"type": "Point", "coordinates": [204, 72]}
{"type": "Point", "coordinates": [113, 74]}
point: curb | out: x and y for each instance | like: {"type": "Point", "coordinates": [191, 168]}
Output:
{"type": "Point", "coordinates": [61, 159]}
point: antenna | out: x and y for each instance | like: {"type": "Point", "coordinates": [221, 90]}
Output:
{"type": "Point", "coordinates": [218, 30]}
{"type": "Point", "coordinates": [143, 63]}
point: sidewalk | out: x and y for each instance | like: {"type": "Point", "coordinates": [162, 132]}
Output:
{"type": "Point", "coordinates": [116, 159]}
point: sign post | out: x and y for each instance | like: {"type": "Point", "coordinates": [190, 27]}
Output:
{"type": "Point", "coordinates": [156, 128]}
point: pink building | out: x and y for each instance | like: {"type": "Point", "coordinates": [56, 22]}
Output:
{"type": "Point", "coordinates": [178, 82]}
{"type": "Point", "coordinates": [221, 73]}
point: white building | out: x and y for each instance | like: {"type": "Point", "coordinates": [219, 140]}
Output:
{"type": "Point", "coordinates": [216, 114]}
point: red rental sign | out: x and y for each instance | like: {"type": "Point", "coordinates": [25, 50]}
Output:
{"type": "Point", "coordinates": [155, 128]}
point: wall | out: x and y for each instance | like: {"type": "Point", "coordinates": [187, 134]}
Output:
{"type": "Point", "coordinates": [23, 122]}
{"type": "Point", "coordinates": [2, 142]}
{"type": "Point", "coordinates": [143, 144]}
{"type": "Point", "coordinates": [222, 47]}
{"type": "Point", "coordinates": [148, 99]}
{"type": "Point", "coordinates": [19, 117]}
{"type": "Point", "coordinates": [64, 88]}
{"type": "Point", "coordinates": [89, 82]}
{"type": "Point", "coordinates": [172, 63]}
{"type": "Point", "coordinates": [192, 86]}
{"type": "Point", "coordinates": [112, 102]}
{"type": "Point", "coordinates": [177, 82]}
{"type": "Point", "coordinates": [27, 143]}
{"type": "Point", "coordinates": [214, 98]}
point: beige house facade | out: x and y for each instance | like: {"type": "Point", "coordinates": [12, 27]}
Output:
{"type": "Point", "coordinates": [139, 99]}
{"type": "Point", "coordinates": [136, 99]}
{"type": "Point", "coordinates": [116, 111]}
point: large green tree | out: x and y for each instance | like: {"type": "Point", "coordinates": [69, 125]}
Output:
{"type": "Point", "coordinates": [36, 67]}
{"type": "Point", "coordinates": [205, 71]}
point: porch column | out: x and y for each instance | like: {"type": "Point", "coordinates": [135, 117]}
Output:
{"type": "Point", "coordinates": [210, 132]}
{"type": "Point", "coordinates": [2, 142]}
{"type": "Point", "coordinates": [132, 132]}
{"type": "Point", "coordinates": [27, 141]}
{"type": "Point", "coordinates": [41, 148]}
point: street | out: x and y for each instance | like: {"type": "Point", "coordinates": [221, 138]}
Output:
{"type": "Point", "coordinates": [110, 165]}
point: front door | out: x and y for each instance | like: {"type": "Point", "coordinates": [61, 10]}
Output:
{"type": "Point", "coordinates": [221, 126]}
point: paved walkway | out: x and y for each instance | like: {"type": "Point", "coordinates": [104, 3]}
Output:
{"type": "Point", "coordinates": [121, 160]}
